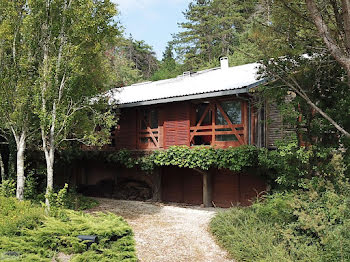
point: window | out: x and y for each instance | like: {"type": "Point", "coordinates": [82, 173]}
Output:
{"type": "Point", "coordinates": [148, 128]}
{"type": "Point", "coordinates": [232, 111]}
{"type": "Point", "coordinates": [200, 110]}
{"type": "Point", "coordinates": [203, 118]}
{"type": "Point", "coordinates": [223, 116]}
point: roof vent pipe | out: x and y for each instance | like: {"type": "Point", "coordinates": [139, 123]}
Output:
{"type": "Point", "coordinates": [224, 62]}
{"type": "Point", "coordinates": [186, 74]}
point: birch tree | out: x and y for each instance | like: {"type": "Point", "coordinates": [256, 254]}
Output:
{"type": "Point", "coordinates": [70, 39]}
{"type": "Point", "coordinates": [16, 82]}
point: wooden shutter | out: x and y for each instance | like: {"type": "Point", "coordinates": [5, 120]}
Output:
{"type": "Point", "coordinates": [177, 124]}
{"type": "Point", "coordinates": [126, 135]}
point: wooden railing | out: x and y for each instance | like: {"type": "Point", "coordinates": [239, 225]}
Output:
{"type": "Point", "coordinates": [149, 133]}
{"type": "Point", "coordinates": [214, 130]}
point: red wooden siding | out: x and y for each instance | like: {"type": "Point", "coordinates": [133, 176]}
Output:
{"type": "Point", "coordinates": [176, 124]}
{"type": "Point", "coordinates": [250, 187]}
{"type": "Point", "coordinates": [182, 185]}
{"type": "Point", "coordinates": [231, 189]}
{"type": "Point", "coordinates": [126, 133]}
{"type": "Point", "coordinates": [226, 191]}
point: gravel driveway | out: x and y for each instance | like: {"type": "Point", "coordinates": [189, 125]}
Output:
{"type": "Point", "coordinates": [166, 233]}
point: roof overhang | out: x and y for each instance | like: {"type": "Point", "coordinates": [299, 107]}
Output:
{"type": "Point", "coordinates": [235, 91]}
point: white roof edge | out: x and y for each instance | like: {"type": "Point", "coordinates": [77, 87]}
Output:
{"type": "Point", "coordinates": [207, 83]}
{"type": "Point", "coordinates": [193, 97]}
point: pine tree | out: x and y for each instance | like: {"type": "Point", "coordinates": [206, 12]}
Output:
{"type": "Point", "coordinates": [213, 30]}
{"type": "Point", "coordinates": [168, 68]}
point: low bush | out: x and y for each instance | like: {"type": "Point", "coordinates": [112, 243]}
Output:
{"type": "Point", "coordinates": [18, 215]}
{"type": "Point", "coordinates": [8, 188]}
{"type": "Point", "coordinates": [301, 225]}
{"type": "Point", "coordinates": [27, 231]}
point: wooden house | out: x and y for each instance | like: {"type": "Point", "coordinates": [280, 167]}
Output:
{"type": "Point", "coordinates": [212, 107]}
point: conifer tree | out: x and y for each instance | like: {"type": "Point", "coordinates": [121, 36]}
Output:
{"type": "Point", "coordinates": [212, 30]}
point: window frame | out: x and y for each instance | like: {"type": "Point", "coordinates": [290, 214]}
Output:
{"type": "Point", "coordinates": [237, 129]}
{"type": "Point", "coordinates": [151, 134]}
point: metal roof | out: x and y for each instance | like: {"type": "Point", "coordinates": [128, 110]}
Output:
{"type": "Point", "coordinates": [208, 83]}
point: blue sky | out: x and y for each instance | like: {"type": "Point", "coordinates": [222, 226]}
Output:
{"type": "Point", "coordinates": [152, 20]}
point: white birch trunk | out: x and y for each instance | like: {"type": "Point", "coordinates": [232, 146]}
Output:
{"type": "Point", "coordinates": [50, 158]}
{"type": "Point", "coordinates": [2, 169]}
{"type": "Point", "coordinates": [21, 147]}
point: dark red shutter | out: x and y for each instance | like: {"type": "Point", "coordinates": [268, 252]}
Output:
{"type": "Point", "coordinates": [177, 124]}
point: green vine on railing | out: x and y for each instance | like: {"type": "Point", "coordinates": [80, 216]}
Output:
{"type": "Point", "coordinates": [288, 165]}
{"type": "Point", "coordinates": [203, 158]}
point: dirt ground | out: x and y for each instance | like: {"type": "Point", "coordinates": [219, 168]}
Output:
{"type": "Point", "coordinates": [168, 233]}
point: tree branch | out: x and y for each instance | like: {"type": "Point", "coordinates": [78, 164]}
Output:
{"type": "Point", "coordinates": [325, 34]}
{"type": "Point", "coordinates": [346, 19]}
{"type": "Point", "coordinates": [299, 90]}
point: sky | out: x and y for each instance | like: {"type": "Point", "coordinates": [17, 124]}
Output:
{"type": "Point", "coordinates": [153, 21]}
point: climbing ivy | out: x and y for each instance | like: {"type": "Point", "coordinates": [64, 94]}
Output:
{"type": "Point", "coordinates": [288, 165]}
{"type": "Point", "coordinates": [203, 158]}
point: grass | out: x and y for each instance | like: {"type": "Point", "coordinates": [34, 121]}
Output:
{"type": "Point", "coordinates": [34, 236]}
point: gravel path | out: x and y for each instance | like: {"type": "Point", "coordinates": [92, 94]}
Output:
{"type": "Point", "coordinates": [166, 233]}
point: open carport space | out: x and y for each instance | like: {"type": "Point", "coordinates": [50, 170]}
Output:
{"type": "Point", "coordinates": [225, 188]}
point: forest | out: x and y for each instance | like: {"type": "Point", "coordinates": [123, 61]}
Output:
{"type": "Point", "coordinates": [58, 56]}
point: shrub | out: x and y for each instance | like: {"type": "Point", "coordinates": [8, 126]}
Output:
{"type": "Point", "coordinates": [65, 199]}
{"type": "Point", "coordinates": [291, 166]}
{"type": "Point", "coordinates": [18, 215]}
{"type": "Point", "coordinates": [8, 188]}
{"type": "Point", "coordinates": [25, 229]}
{"type": "Point", "coordinates": [301, 225]}
{"type": "Point", "coordinates": [79, 202]}
{"type": "Point", "coordinates": [31, 188]}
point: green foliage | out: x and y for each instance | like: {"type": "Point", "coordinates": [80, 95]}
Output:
{"type": "Point", "coordinates": [133, 61]}
{"type": "Point", "coordinates": [300, 225]}
{"type": "Point", "coordinates": [8, 188]}
{"type": "Point", "coordinates": [215, 28]}
{"type": "Point", "coordinates": [122, 156]}
{"type": "Point", "coordinates": [58, 199]}
{"type": "Point", "coordinates": [204, 158]}
{"type": "Point", "coordinates": [68, 199]}
{"type": "Point", "coordinates": [285, 34]}
{"type": "Point", "coordinates": [31, 186]}
{"type": "Point", "coordinates": [35, 237]}
{"type": "Point", "coordinates": [17, 215]}
{"type": "Point", "coordinates": [291, 165]}
{"type": "Point", "coordinates": [233, 158]}
{"type": "Point", "coordinates": [246, 237]}
{"type": "Point", "coordinates": [168, 68]}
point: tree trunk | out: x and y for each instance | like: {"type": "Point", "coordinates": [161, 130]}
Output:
{"type": "Point", "coordinates": [21, 146]}
{"type": "Point", "coordinates": [50, 158]}
{"type": "Point", "coordinates": [2, 169]}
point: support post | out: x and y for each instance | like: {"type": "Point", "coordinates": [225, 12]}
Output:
{"type": "Point", "coordinates": [157, 184]}
{"type": "Point", "coordinates": [207, 189]}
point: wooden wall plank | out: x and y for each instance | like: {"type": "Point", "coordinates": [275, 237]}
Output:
{"type": "Point", "coordinates": [126, 134]}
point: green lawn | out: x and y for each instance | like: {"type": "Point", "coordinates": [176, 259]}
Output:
{"type": "Point", "coordinates": [34, 236]}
